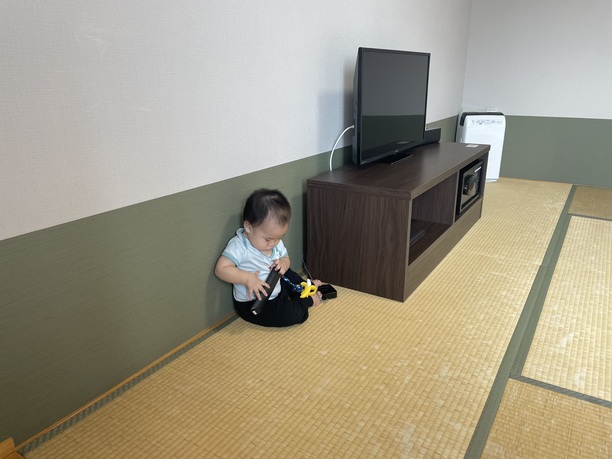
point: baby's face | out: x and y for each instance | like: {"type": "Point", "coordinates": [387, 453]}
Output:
{"type": "Point", "coordinates": [265, 236]}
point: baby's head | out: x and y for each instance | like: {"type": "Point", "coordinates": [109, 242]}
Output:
{"type": "Point", "coordinates": [266, 219]}
{"type": "Point", "coordinates": [264, 204]}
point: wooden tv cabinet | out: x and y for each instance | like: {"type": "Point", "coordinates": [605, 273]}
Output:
{"type": "Point", "coordinates": [360, 219]}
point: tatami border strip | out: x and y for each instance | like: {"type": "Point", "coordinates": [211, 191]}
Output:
{"type": "Point", "coordinates": [562, 390]}
{"type": "Point", "coordinates": [550, 262]}
{"type": "Point", "coordinates": [520, 342]}
{"type": "Point", "coordinates": [81, 414]}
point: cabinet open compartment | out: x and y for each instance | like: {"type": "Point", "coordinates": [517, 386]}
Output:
{"type": "Point", "coordinates": [432, 214]}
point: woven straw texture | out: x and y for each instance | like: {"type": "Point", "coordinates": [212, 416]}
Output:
{"type": "Point", "coordinates": [363, 377]}
{"type": "Point", "coordinates": [536, 423]}
{"type": "Point", "coordinates": [592, 202]}
{"type": "Point", "coordinates": [572, 346]}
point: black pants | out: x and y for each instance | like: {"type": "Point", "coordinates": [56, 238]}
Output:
{"type": "Point", "coordinates": [283, 311]}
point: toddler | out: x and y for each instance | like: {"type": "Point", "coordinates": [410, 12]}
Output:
{"type": "Point", "coordinates": [257, 248]}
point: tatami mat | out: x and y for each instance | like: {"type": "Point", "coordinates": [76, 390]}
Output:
{"type": "Point", "coordinates": [592, 202]}
{"type": "Point", "coordinates": [364, 377]}
{"type": "Point", "coordinates": [533, 422]}
{"type": "Point", "coordinates": [572, 346]}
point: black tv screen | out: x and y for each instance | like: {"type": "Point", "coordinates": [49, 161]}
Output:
{"type": "Point", "coordinates": [390, 96]}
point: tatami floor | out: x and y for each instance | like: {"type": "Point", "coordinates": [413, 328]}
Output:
{"type": "Point", "coordinates": [504, 351]}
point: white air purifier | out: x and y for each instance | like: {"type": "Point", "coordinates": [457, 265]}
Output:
{"type": "Point", "coordinates": [484, 128]}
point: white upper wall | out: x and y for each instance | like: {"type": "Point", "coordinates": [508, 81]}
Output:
{"type": "Point", "coordinates": [541, 58]}
{"type": "Point", "coordinates": [115, 102]}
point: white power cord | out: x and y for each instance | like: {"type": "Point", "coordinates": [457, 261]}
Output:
{"type": "Point", "coordinates": [331, 155]}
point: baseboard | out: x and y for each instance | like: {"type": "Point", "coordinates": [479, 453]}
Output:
{"type": "Point", "coordinates": [112, 393]}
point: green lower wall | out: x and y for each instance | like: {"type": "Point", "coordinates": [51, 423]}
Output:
{"type": "Point", "coordinates": [89, 303]}
{"type": "Point", "coordinates": [569, 150]}
{"type": "Point", "coordinates": [86, 304]}
{"type": "Point", "coordinates": [448, 126]}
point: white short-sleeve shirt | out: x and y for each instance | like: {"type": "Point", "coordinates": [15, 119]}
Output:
{"type": "Point", "coordinates": [247, 258]}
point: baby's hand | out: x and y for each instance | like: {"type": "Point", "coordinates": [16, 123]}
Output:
{"type": "Point", "coordinates": [280, 266]}
{"type": "Point", "coordinates": [255, 286]}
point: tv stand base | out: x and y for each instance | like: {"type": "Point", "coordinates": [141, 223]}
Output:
{"type": "Point", "coordinates": [394, 159]}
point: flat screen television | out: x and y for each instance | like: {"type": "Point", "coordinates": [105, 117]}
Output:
{"type": "Point", "coordinates": [390, 97]}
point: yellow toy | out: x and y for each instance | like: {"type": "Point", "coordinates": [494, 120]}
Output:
{"type": "Point", "coordinates": [308, 289]}
{"type": "Point", "coordinates": [305, 289]}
